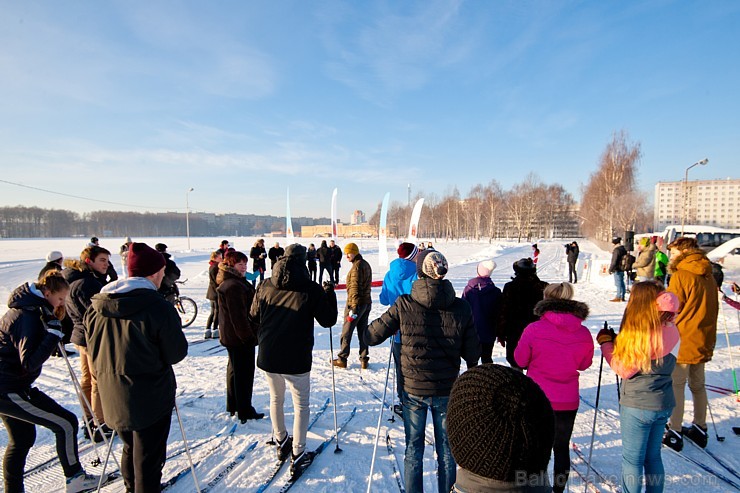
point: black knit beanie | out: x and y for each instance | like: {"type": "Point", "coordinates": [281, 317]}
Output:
{"type": "Point", "coordinates": [499, 422]}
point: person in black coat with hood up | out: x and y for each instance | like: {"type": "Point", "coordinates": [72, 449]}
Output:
{"type": "Point", "coordinates": [285, 308]}
{"type": "Point", "coordinates": [520, 295]}
{"type": "Point", "coordinates": [238, 334]}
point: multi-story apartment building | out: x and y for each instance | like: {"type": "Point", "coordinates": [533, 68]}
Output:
{"type": "Point", "coordinates": [704, 202]}
{"type": "Point", "coordinates": [357, 217]}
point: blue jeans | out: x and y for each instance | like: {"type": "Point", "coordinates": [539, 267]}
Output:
{"type": "Point", "coordinates": [414, 422]}
{"type": "Point", "coordinates": [642, 432]}
{"type": "Point", "coordinates": [619, 283]}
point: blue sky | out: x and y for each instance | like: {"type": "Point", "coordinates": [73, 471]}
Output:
{"type": "Point", "coordinates": [135, 102]}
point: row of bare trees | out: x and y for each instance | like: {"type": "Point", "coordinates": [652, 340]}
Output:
{"type": "Point", "coordinates": [531, 209]}
{"type": "Point", "coordinates": [36, 222]}
{"type": "Point", "coordinates": [610, 205]}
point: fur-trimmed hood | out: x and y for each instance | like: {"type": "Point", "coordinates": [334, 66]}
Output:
{"type": "Point", "coordinates": [693, 260]}
{"type": "Point", "coordinates": [572, 307]}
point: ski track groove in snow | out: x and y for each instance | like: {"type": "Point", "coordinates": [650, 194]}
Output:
{"type": "Point", "coordinates": [203, 372]}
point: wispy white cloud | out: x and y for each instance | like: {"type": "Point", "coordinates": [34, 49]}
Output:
{"type": "Point", "coordinates": [147, 56]}
{"type": "Point", "coordinates": [395, 52]}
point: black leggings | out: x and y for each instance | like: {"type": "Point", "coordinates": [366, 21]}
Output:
{"type": "Point", "coordinates": [20, 412]}
{"type": "Point", "coordinates": [213, 316]}
{"type": "Point", "coordinates": [564, 421]}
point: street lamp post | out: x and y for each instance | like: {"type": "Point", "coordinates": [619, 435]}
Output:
{"type": "Point", "coordinates": [187, 215]}
{"type": "Point", "coordinates": [686, 190]}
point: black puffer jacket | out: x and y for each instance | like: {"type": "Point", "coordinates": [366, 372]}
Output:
{"type": "Point", "coordinates": [436, 331]}
{"type": "Point", "coordinates": [86, 284]}
{"type": "Point", "coordinates": [134, 336]}
{"type": "Point", "coordinates": [24, 342]}
{"type": "Point", "coordinates": [285, 308]}
{"type": "Point", "coordinates": [235, 296]}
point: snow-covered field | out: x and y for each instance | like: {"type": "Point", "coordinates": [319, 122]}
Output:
{"type": "Point", "coordinates": [201, 379]}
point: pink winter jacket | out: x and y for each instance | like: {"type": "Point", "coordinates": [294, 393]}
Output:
{"type": "Point", "coordinates": [555, 348]}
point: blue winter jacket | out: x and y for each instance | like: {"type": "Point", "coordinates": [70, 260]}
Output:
{"type": "Point", "coordinates": [485, 300]}
{"type": "Point", "coordinates": [397, 281]}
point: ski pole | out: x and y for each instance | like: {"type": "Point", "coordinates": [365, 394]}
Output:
{"type": "Point", "coordinates": [187, 448]}
{"type": "Point", "coordinates": [729, 350]}
{"type": "Point", "coordinates": [593, 427]}
{"type": "Point", "coordinates": [380, 419]}
{"type": "Point", "coordinates": [84, 404]}
{"type": "Point", "coordinates": [393, 389]}
{"type": "Point", "coordinates": [105, 463]}
{"type": "Point", "coordinates": [333, 390]}
{"type": "Point", "coordinates": [716, 435]}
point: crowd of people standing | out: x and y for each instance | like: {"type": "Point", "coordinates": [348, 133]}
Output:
{"type": "Point", "coordinates": [129, 335]}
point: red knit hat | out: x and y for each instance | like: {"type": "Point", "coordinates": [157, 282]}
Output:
{"type": "Point", "coordinates": [407, 251]}
{"type": "Point", "coordinates": [143, 260]}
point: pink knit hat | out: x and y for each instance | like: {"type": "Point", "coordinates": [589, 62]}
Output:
{"type": "Point", "coordinates": [667, 302]}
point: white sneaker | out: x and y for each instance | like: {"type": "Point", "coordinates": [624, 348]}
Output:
{"type": "Point", "coordinates": [207, 335]}
{"type": "Point", "coordinates": [215, 334]}
{"type": "Point", "coordinates": [82, 482]}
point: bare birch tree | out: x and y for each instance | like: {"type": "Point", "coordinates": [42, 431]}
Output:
{"type": "Point", "coordinates": [607, 195]}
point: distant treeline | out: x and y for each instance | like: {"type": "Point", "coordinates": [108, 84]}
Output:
{"type": "Point", "coordinates": [35, 222]}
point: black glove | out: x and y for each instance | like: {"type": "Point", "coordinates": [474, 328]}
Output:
{"type": "Point", "coordinates": [606, 335]}
{"type": "Point", "coordinates": [51, 323]}
{"type": "Point", "coordinates": [328, 286]}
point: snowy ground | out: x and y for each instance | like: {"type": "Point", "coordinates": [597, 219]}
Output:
{"type": "Point", "coordinates": [202, 373]}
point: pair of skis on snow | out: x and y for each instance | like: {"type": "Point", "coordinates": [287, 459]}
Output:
{"type": "Point", "coordinates": [322, 446]}
{"type": "Point", "coordinates": [221, 475]}
{"type": "Point", "coordinates": [706, 468]}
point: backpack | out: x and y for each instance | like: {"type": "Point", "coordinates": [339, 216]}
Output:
{"type": "Point", "coordinates": [627, 260]}
{"type": "Point", "coordinates": [718, 274]}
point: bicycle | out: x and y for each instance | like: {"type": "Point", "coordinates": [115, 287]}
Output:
{"type": "Point", "coordinates": [186, 307]}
